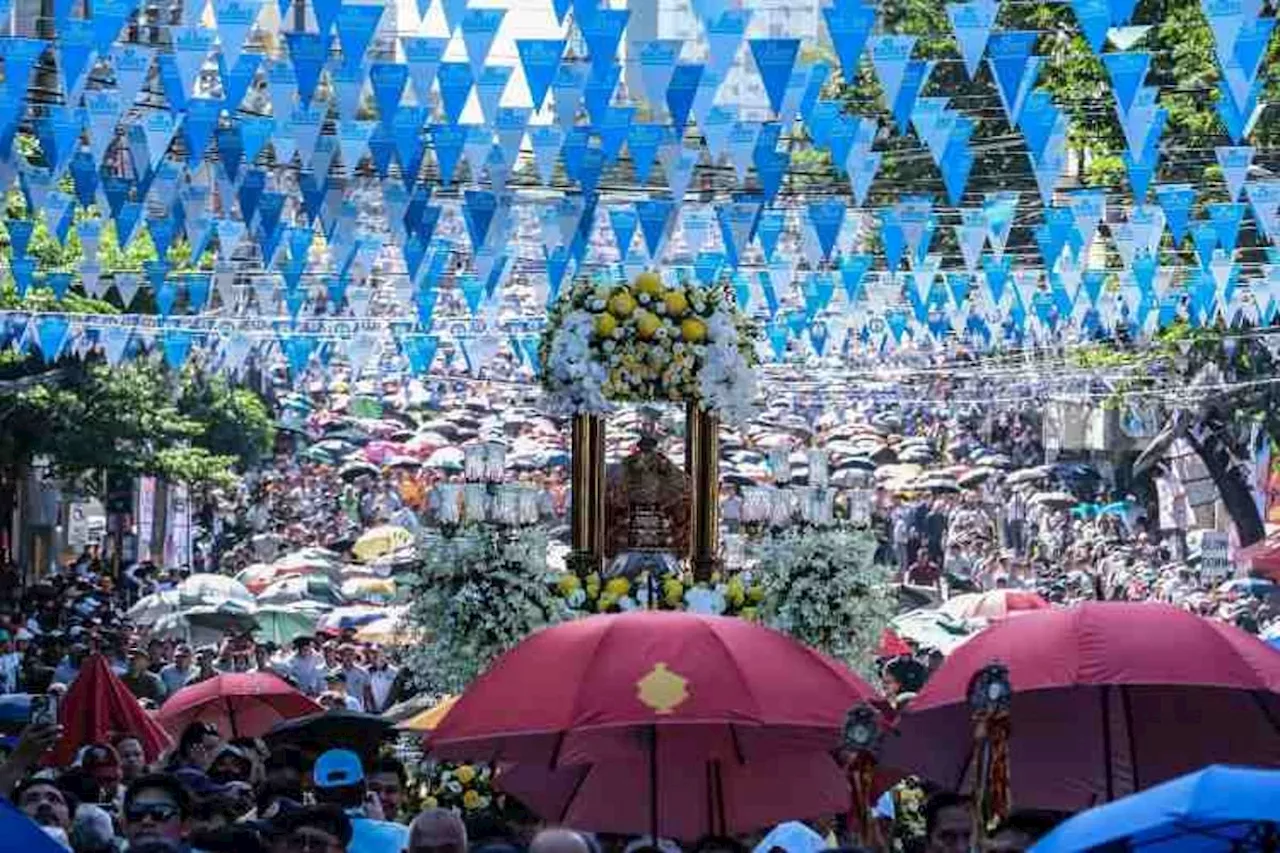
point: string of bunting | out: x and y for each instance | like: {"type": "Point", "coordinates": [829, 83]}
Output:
{"type": "Point", "coordinates": [320, 171]}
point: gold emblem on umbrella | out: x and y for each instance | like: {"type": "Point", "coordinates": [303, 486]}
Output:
{"type": "Point", "coordinates": [662, 690]}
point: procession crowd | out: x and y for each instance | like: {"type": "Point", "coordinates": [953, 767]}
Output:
{"type": "Point", "coordinates": [213, 791]}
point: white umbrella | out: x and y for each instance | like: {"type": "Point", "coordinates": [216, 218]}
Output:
{"type": "Point", "coordinates": [151, 608]}
{"type": "Point", "coordinates": [213, 589]}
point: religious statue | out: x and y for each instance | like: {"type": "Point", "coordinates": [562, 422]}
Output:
{"type": "Point", "coordinates": [647, 500]}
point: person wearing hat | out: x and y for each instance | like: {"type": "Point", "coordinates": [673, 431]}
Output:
{"type": "Point", "coordinates": [141, 681]}
{"type": "Point", "coordinates": [336, 695]}
{"type": "Point", "coordinates": [176, 675]}
{"type": "Point", "coordinates": [339, 781]}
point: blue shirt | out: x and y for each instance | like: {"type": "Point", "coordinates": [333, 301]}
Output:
{"type": "Point", "coordinates": [377, 836]}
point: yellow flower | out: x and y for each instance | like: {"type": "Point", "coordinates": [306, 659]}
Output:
{"type": "Point", "coordinates": [749, 613]}
{"type": "Point", "coordinates": [430, 803]}
{"type": "Point", "coordinates": [617, 587]}
{"type": "Point", "coordinates": [607, 600]}
{"type": "Point", "coordinates": [673, 592]}
{"type": "Point", "coordinates": [734, 593]}
{"type": "Point", "coordinates": [676, 303]}
{"type": "Point", "coordinates": [568, 584]}
{"type": "Point", "coordinates": [647, 324]}
{"type": "Point", "coordinates": [604, 325]}
{"type": "Point", "coordinates": [622, 303]}
{"type": "Point", "coordinates": [649, 282]}
{"type": "Point", "coordinates": [693, 330]}
{"type": "Point", "coordinates": [472, 800]}
{"type": "Point", "coordinates": [465, 774]}
{"type": "Point", "coordinates": [593, 585]}
{"type": "Point", "coordinates": [756, 593]}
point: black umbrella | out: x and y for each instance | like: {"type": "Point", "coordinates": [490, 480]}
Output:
{"type": "Point", "coordinates": [329, 729]}
{"type": "Point", "coordinates": [357, 469]}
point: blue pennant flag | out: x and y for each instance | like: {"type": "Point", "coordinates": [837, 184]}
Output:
{"type": "Point", "coordinates": [998, 272]}
{"type": "Point", "coordinates": [972, 23]}
{"type": "Point", "coordinates": [623, 221]}
{"type": "Point", "coordinates": [1235, 163]}
{"type": "Point", "coordinates": [1127, 71]}
{"type": "Point", "coordinates": [1094, 18]}
{"type": "Point", "coordinates": [447, 141]}
{"type": "Point", "coordinates": [237, 78]}
{"type": "Point", "coordinates": [387, 80]}
{"type": "Point", "coordinates": [890, 56]}
{"type": "Point", "coordinates": [853, 270]}
{"type": "Point", "coordinates": [197, 127]}
{"type": "Point", "coordinates": [20, 231]}
{"type": "Point", "coordinates": [540, 59]}
{"type": "Point", "coordinates": [1226, 219]}
{"type": "Point", "coordinates": [52, 331]}
{"type": "Point", "coordinates": [827, 217]}
{"type": "Point", "coordinates": [602, 33]}
{"type": "Point", "coordinates": [654, 216]}
{"type": "Point", "coordinates": [1176, 200]}
{"type": "Point", "coordinates": [911, 83]}
{"type": "Point", "coordinates": [737, 221]}
{"type": "Point", "coordinates": [1009, 54]}
{"type": "Point", "coordinates": [356, 25]}
{"type": "Point", "coordinates": [643, 142]}
{"type": "Point", "coordinates": [455, 79]}
{"type": "Point", "coordinates": [479, 208]}
{"type": "Point", "coordinates": [680, 93]}
{"type": "Point", "coordinates": [309, 53]}
{"type": "Point", "coordinates": [850, 23]}
{"type": "Point", "coordinates": [769, 228]}
{"type": "Point", "coordinates": [775, 58]}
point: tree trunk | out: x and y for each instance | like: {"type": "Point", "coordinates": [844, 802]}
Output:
{"type": "Point", "coordinates": [1213, 447]}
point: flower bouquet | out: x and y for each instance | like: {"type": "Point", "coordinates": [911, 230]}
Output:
{"type": "Point", "coordinates": [735, 595]}
{"type": "Point", "coordinates": [648, 342]}
{"type": "Point", "coordinates": [464, 788]}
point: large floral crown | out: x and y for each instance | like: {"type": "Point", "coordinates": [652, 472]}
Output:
{"type": "Point", "coordinates": [649, 341]}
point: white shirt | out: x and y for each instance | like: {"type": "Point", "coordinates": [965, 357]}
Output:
{"type": "Point", "coordinates": [380, 682]}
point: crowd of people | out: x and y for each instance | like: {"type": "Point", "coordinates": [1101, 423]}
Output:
{"type": "Point", "coordinates": [214, 792]}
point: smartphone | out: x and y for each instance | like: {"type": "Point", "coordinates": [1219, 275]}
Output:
{"type": "Point", "coordinates": [44, 709]}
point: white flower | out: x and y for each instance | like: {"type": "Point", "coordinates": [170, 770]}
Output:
{"type": "Point", "coordinates": [608, 346]}
{"type": "Point", "coordinates": [597, 304]}
{"type": "Point", "coordinates": [643, 299]}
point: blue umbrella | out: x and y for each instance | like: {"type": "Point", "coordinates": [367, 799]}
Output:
{"type": "Point", "coordinates": [1274, 643]}
{"type": "Point", "coordinates": [21, 833]}
{"type": "Point", "coordinates": [1217, 808]}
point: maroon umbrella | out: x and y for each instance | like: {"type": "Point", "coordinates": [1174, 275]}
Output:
{"type": "Point", "coordinates": [1108, 698]}
{"type": "Point", "coordinates": [242, 704]}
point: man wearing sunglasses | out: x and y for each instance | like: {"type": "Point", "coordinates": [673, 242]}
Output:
{"type": "Point", "coordinates": [157, 808]}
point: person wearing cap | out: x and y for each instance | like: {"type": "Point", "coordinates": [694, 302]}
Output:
{"type": "Point", "coordinates": [339, 780]}
{"type": "Point", "coordinates": [141, 681]}
{"type": "Point", "coordinates": [176, 675]}
{"type": "Point", "coordinates": [336, 686]}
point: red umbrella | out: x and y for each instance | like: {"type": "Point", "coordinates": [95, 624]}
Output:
{"type": "Point", "coordinates": [97, 708]}
{"type": "Point", "coordinates": [242, 704]}
{"type": "Point", "coordinates": [590, 719]}
{"type": "Point", "coordinates": [994, 604]}
{"type": "Point", "coordinates": [891, 645]}
{"type": "Point", "coordinates": [1108, 698]}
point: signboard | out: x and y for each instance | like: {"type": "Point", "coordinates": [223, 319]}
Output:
{"type": "Point", "coordinates": [146, 515]}
{"type": "Point", "coordinates": [1215, 560]}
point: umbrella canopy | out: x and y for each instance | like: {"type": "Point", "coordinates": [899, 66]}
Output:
{"type": "Point", "coordinates": [377, 541]}
{"type": "Point", "coordinates": [1218, 808]}
{"type": "Point", "coordinates": [677, 722]}
{"type": "Point", "coordinates": [352, 470]}
{"type": "Point", "coordinates": [22, 833]}
{"type": "Point", "coordinates": [240, 704]}
{"type": "Point", "coordinates": [320, 588]}
{"type": "Point", "coordinates": [1108, 698]}
{"type": "Point", "coordinates": [355, 616]}
{"type": "Point", "coordinates": [1053, 499]}
{"type": "Point", "coordinates": [430, 719]}
{"type": "Point", "coordinates": [283, 623]}
{"type": "Point", "coordinates": [212, 589]}
{"type": "Point", "coordinates": [1028, 475]}
{"type": "Point", "coordinates": [993, 604]}
{"type": "Point", "coordinates": [207, 623]}
{"type": "Point", "coordinates": [446, 459]}
{"type": "Point", "coordinates": [933, 629]}
{"type": "Point", "coordinates": [97, 708]}
{"type": "Point", "coordinates": [151, 608]}
{"type": "Point", "coordinates": [318, 732]}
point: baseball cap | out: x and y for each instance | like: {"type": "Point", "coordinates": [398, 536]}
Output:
{"type": "Point", "coordinates": [338, 768]}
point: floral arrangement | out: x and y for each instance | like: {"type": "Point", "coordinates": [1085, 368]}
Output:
{"type": "Point", "coordinates": [822, 587]}
{"type": "Point", "coordinates": [479, 591]}
{"type": "Point", "coordinates": [648, 341]}
{"type": "Point", "coordinates": [736, 595]}
{"type": "Point", "coordinates": [465, 788]}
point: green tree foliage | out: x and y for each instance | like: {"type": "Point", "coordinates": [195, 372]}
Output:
{"type": "Point", "coordinates": [1183, 68]}
{"type": "Point", "coordinates": [236, 422]}
{"type": "Point", "coordinates": [134, 418]}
